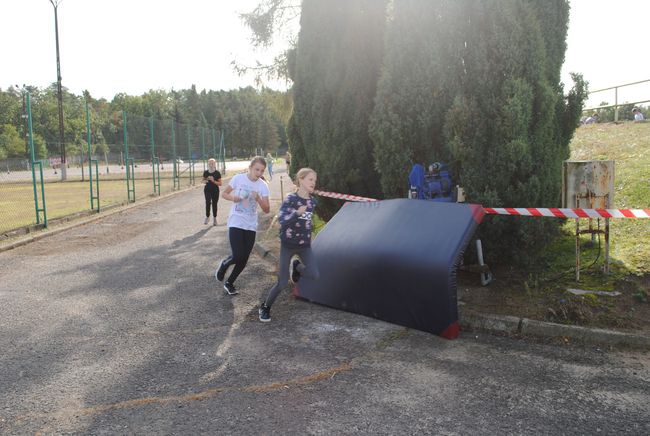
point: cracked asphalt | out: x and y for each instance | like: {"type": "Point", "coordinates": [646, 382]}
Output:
{"type": "Point", "coordinates": [119, 327]}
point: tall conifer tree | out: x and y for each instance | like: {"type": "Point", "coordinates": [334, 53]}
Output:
{"type": "Point", "coordinates": [419, 78]}
{"type": "Point", "coordinates": [478, 83]}
{"type": "Point", "coordinates": [510, 126]}
{"type": "Point", "coordinates": [335, 72]}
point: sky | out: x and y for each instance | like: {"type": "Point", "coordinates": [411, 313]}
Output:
{"type": "Point", "coordinates": [132, 46]}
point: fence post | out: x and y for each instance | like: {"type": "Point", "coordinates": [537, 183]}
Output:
{"type": "Point", "coordinates": [174, 159]}
{"type": "Point", "coordinates": [616, 104]}
{"type": "Point", "coordinates": [189, 152]}
{"type": "Point", "coordinates": [203, 148]}
{"type": "Point", "coordinates": [130, 177]}
{"type": "Point", "coordinates": [154, 161]}
{"type": "Point", "coordinates": [126, 154]}
{"type": "Point", "coordinates": [222, 153]}
{"type": "Point", "coordinates": [90, 164]}
{"type": "Point", "coordinates": [32, 163]}
{"type": "Point", "coordinates": [214, 145]}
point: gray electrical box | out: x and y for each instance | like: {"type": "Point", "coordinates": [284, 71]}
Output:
{"type": "Point", "coordinates": [588, 184]}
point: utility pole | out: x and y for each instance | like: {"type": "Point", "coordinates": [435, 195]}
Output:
{"type": "Point", "coordinates": [55, 4]}
{"type": "Point", "coordinates": [23, 116]}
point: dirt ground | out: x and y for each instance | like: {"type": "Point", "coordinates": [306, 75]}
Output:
{"type": "Point", "coordinates": [512, 294]}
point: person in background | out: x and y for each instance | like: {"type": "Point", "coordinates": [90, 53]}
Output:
{"type": "Point", "coordinates": [246, 191]}
{"type": "Point", "coordinates": [295, 217]}
{"type": "Point", "coordinates": [212, 180]}
{"type": "Point", "coordinates": [638, 115]}
{"type": "Point", "coordinates": [593, 119]}
{"type": "Point", "coordinates": [269, 165]}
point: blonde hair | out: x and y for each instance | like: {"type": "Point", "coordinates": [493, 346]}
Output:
{"type": "Point", "coordinates": [302, 173]}
{"type": "Point", "coordinates": [212, 161]}
{"type": "Point", "coordinates": [259, 160]}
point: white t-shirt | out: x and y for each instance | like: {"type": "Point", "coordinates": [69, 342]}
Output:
{"type": "Point", "coordinates": [638, 116]}
{"type": "Point", "coordinates": [243, 214]}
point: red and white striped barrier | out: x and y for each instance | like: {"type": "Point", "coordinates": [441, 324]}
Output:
{"type": "Point", "coordinates": [569, 213]}
{"type": "Point", "coordinates": [529, 211]}
{"type": "Point", "coordinates": [343, 196]}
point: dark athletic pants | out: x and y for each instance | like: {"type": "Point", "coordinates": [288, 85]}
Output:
{"type": "Point", "coordinates": [211, 197]}
{"type": "Point", "coordinates": [241, 244]}
{"type": "Point", "coordinates": [307, 268]}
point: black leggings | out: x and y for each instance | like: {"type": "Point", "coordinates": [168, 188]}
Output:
{"type": "Point", "coordinates": [241, 244]}
{"type": "Point", "coordinates": [211, 197]}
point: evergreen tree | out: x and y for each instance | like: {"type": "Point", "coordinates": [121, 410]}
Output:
{"type": "Point", "coordinates": [337, 63]}
{"type": "Point", "coordinates": [420, 73]}
{"type": "Point", "coordinates": [509, 126]}
{"type": "Point", "coordinates": [477, 83]}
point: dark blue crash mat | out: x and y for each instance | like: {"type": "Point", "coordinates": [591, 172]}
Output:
{"type": "Point", "coordinates": [394, 260]}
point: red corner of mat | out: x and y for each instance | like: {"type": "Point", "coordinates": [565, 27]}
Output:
{"type": "Point", "coordinates": [452, 331]}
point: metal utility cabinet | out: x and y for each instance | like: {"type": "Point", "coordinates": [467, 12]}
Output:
{"type": "Point", "coordinates": [589, 184]}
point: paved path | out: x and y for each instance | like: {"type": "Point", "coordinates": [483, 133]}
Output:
{"type": "Point", "coordinates": [118, 327]}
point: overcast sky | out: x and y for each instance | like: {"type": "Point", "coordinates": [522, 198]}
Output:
{"type": "Point", "coordinates": [131, 46]}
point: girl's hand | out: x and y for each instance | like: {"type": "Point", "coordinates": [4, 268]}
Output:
{"type": "Point", "coordinates": [301, 210]}
{"type": "Point", "coordinates": [236, 199]}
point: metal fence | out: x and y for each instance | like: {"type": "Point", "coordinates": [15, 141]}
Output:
{"type": "Point", "coordinates": [625, 97]}
{"type": "Point", "coordinates": [155, 157]}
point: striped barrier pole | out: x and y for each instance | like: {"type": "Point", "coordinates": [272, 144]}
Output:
{"type": "Point", "coordinates": [569, 213]}
{"type": "Point", "coordinates": [343, 196]}
{"type": "Point", "coordinates": [528, 211]}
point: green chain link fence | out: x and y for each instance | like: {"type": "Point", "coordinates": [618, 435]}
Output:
{"type": "Point", "coordinates": [155, 157]}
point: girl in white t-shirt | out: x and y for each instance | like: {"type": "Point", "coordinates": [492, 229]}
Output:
{"type": "Point", "coordinates": [246, 191]}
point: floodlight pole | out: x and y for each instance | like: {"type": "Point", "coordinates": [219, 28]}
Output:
{"type": "Point", "coordinates": [55, 4]}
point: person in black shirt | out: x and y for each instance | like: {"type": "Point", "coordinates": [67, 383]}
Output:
{"type": "Point", "coordinates": [212, 180]}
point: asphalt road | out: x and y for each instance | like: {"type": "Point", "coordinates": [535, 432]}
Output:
{"type": "Point", "coordinates": [119, 327]}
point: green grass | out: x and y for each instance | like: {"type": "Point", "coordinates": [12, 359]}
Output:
{"type": "Point", "coordinates": [319, 224]}
{"type": "Point", "coordinates": [66, 198]}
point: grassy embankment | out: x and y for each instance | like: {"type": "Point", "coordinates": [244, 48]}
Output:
{"type": "Point", "coordinates": [628, 144]}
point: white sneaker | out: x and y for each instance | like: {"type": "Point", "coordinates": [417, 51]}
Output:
{"type": "Point", "coordinates": [207, 219]}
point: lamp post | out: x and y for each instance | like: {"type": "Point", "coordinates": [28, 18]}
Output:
{"type": "Point", "coordinates": [55, 4]}
{"type": "Point", "coordinates": [23, 117]}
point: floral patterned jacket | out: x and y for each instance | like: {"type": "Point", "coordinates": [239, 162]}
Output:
{"type": "Point", "coordinates": [296, 230]}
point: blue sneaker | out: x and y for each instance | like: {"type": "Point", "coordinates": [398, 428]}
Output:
{"type": "Point", "coordinates": [265, 313]}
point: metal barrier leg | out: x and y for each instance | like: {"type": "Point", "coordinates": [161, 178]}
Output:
{"type": "Point", "coordinates": [486, 277]}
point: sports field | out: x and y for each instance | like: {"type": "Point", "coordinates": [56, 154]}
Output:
{"type": "Point", "coordinates": [17, 205]}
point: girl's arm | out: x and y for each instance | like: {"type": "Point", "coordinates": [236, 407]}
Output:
{"type": "Point", "coordinates": [264, 203]}
{"type": "Point", "coordinates": [287, 213]}
{"type": "Point", "coordinates": [227, 194]}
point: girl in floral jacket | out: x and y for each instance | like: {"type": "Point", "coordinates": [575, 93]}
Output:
{"type": "Point", "coordinates": [295, 219]}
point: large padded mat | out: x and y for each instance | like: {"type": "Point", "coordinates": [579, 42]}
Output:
{"type": "Point", "coordinates": [394, 260]}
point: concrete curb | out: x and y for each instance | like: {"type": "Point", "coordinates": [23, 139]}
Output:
{"type": "Point", "coordinates": [512, 325]}
{"type": "Point", "coordinates": [45, 233]}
